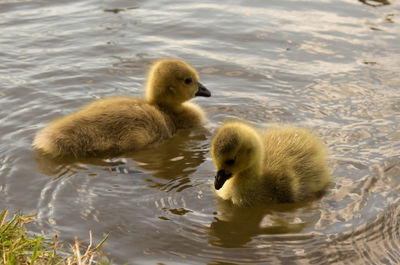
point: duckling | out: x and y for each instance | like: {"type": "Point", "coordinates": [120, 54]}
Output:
{"type": "Point", "coordinates": [279, 165]}
{"type": "Point", "coordinates": [123, 124]}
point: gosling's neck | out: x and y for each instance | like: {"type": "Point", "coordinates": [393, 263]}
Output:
{"type": "Point", "coordinates": [251, 175]}
{"type": "Point", "coordinates": [183, 115]}
{"type": "Point", "coordinates": [155, 97]}
{"type": "Point", "coordinates": [253, 172]}
{"type": "Point", "coordinates": [174, 109]}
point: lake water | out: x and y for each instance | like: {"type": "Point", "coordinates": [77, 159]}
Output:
{"type": "Point", "coordinates": [329, 65]}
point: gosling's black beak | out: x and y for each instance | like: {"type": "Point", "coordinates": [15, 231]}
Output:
{"type": "Point", "coordinates": [203, 91]}
{"type": "Point", "coordinates": [220, 179]}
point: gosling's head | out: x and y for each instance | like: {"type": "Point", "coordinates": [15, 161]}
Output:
{"type": "Point", "coordinates": [172, 82]}
{"type": "Point", "coordinates": [235, 148]}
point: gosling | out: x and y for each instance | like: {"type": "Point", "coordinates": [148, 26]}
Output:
{"type": "Point", "coordinates": [280, 165]}
{"type": "Point", "coordinates": [124, 124]}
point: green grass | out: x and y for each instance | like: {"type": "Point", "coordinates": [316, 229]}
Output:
{"type": "Point", "coordinates": [17, 247]}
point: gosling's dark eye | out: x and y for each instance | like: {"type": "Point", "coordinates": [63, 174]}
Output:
{"type": "Point", "coordinates": [230, 162]}
{"type": "Point", "coordinates": [188, 81]}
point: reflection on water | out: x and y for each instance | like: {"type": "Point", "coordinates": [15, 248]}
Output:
{"type": "Point", "coordinates": [234, 226]}
{"type": "Point", "coordinates": [172, 161]}
{"type": "Point", "coordinates": [328, 65]}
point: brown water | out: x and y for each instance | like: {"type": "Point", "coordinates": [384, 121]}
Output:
{"type": "Point", "coordinates": [330, 65]}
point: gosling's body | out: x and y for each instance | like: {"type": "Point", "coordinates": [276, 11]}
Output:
{"type": "Point", "coordinates": [119, 125]}
{"type": "Point", "coordinates": [285, 164]}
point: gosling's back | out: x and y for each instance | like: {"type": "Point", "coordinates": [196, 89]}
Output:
{"type": "Point", "coordinates": [295, 163]}
{"type": "Point", "coordinates": [106, 127]}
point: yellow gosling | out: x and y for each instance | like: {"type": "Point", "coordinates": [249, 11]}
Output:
{"type": "Point", "coordinates": [283, 164]}
{"type": "Point", "coordinates": [118, 125]}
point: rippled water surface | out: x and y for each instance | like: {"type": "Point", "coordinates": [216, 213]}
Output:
{"type": "Point", "coordinates": [332, 66]}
